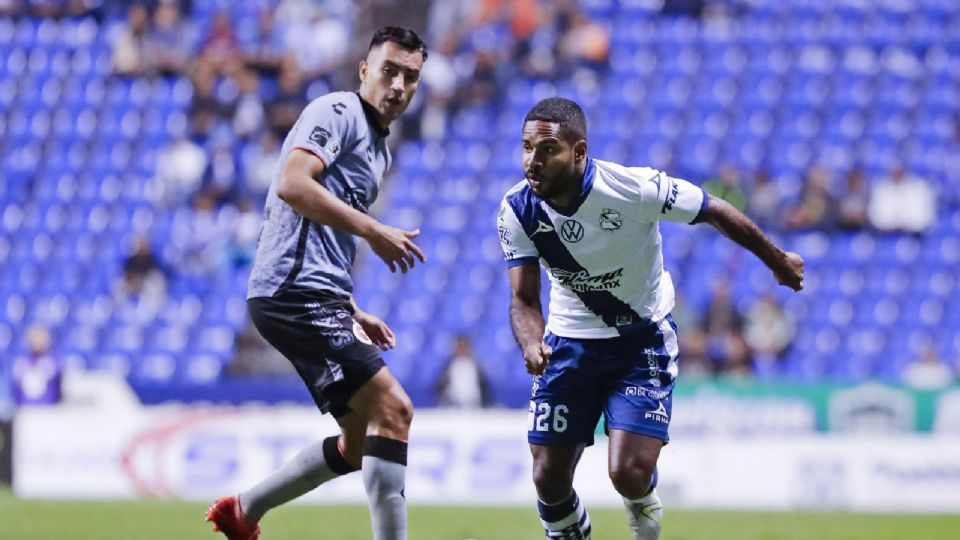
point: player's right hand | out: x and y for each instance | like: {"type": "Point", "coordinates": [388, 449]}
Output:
{"type": "Point", "coordinates": [536, 358]}
{"type": "Point", "coordinates": [395, 246]}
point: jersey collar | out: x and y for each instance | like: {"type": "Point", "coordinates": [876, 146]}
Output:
{"type": "Point", "coordinates": [585, 189]}
{"type": "Point", "coordinates": [371, 115]}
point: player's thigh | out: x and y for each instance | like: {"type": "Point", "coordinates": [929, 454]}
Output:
{"type": "Point", "coordinates": [567, 400]}
{"type": "Point", "coordinates": [630, 454]}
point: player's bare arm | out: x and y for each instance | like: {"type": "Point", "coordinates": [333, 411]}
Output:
{"type": "Point", "coordinates": [786, 266]}
{"type": "Point", "coordinates": [376, 329]}
{"type": "Point", "coordinates": [308, 197]}
{"type": "Point", "coordinates": [526, 317]}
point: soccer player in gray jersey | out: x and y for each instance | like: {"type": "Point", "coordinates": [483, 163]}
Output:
{"type": "Point", "coordinates": [300, 291]}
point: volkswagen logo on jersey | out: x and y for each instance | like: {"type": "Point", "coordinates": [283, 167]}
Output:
{"type": "Point", "coordinates": [571, 231]}
{"type": "Point", "coordinates": [610, 220]}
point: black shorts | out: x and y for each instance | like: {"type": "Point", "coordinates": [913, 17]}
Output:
{"type": "Point", "coordinates": [319, 336]}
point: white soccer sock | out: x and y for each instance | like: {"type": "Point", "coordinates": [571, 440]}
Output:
{"type": "Point", "coordinates": [645, 516]}
{"type": "Point", "coordinates": [384, 476]}
{"type": "Point", "coordinates": [314, 465]}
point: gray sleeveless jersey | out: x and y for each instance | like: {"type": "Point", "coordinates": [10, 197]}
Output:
{"type": "Point", "coordinates": [293, 252]}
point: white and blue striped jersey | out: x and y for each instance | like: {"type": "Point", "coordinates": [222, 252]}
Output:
{"type": "Point", "coordinates": [603, 254]}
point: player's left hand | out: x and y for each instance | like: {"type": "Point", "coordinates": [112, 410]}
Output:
{"type": "Point", "coordinates": [790, 272]}
{"type": "Point", "coordinates": [379, 333]}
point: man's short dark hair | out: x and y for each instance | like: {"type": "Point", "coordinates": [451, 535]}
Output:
{"type": "Point", "coordinates": [406, 38]}
{"type": "Point", "coordinates": [573, 123]}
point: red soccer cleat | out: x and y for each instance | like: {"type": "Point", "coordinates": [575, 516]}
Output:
{"type": "Point", "coordinates": [227, 518]}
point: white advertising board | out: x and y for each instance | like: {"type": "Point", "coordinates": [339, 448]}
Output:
{"type": "Point", "coordinates": [466, 458]}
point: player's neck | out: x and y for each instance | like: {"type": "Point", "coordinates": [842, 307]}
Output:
{"type": "Point", "coordinates": [373, 114]}
{"type": "Point", "coordinates": [572, 189]}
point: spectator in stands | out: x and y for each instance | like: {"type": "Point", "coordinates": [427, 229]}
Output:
{"type": "Point", "coordinates": [319, 44]}
{"type": "Point", "coordinates": [206, 110]}
{"type": "Point", "coordinates": [142, 289]}
{"type": "Point", "coordinates": [463, 384]}
{"type": "Point", "coordinates": [928, 371]}
{"type": "Point", "coordinates": [817, 208]}
{"type": "Point", "coordinates": [255, 356]}
{"type": "Point", "coordinates": [169, 43]}
{"type": "Point", "coordinates": [10, 8]}
{"type": "Point", "coordinates": [854, 202]}
{"type": "Point", "coordinates": [129, 47]}
{"type": "Point", "coordinates": [728, 185]}
{"type": "Point", "coordinates": [244, 234]}
{"type": "Point", "coordinates": [723, 326]}
{"type": "Point", "coordinates": [248, 115]}
{"type": "Point", "coordinates": [266, 50]}
{"type": "Point", "coordinates": [584, 43]}
{"type": "Point", "coordinates": [259, 160]}
{"type": "Point", "coordinates": [197, 240]}
{"type": "Point", "coordinates": [902, 202]}
{"type": "Point", "coordinates": [769, 330]}
{"type": "Point", "coordinates": [692, 340]}
{"type": "Point", "coordinates": [689, 8]}
{"type": "Point", "coordinates": [219, 50]}
{"type": "Point", "coordinates": [763, 202]}
{"type": "Point", "coordinates": [284, 109]}
{"type": "Point", "coordinates": [37, 376]}
{"type": "Point", "coordinates": [180, 168]}
{"type": "Point", "coordinates": [220, 180]}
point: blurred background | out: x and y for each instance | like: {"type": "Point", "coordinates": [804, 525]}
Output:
{"type": "Point", "coordinates": [138, 141]}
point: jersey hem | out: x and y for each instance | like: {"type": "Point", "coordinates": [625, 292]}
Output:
{"type": "Point", "coordinates": [314, 152]}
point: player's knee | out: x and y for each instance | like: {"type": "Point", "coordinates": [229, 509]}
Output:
{"type": "Point", "coordinates": [631, 478]}
{"type": "Point", "coordinates": [394, 415]}
{"type": "Point", "coordinates": [552, 483]}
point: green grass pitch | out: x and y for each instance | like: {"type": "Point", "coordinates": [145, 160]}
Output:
{"type": "Point", "coordinates": [154, 520]}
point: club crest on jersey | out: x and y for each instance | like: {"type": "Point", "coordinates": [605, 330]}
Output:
{"type": "Point", "coordinates": [319, 135]}
{"type": "Point", "coordinates": [610, 220]}
{"type": "Point", "coordinates": [571, 230]}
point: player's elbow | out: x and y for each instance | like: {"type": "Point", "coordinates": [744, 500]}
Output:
{"type": "Point", "coordinates": [287, 189]}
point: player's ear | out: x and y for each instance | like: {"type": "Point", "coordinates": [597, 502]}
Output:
{"type": "Point", "coordinates": [580, 150]}
{"type": "Point", "coordinates": [363, 70]}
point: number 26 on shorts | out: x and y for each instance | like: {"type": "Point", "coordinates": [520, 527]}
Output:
{"type": "Point", "coordinates": [543, 417]}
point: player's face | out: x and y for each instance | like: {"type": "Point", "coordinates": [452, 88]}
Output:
{"type": "Point", "coordinates": [549, 161]}
{"type": "Point", "coordinates": [389, 77]}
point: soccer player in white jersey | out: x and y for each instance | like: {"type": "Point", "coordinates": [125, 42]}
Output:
{"type": "Point", "coordinates": [300, 293]}
{"type": "Point", "coordinates": [609, 346]}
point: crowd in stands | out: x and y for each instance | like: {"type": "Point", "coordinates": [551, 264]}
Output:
{"type": "Point", "coordinates": [247, 69]}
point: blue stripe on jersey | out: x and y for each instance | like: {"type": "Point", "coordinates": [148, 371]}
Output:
{"type": "Point", "coordinates": [588, 175]}
{"type": "Point", "coordinates": [703, 208]}
{"type": "Point", "coordinates": [521, 261]}
{"type": "Point", "coordinates": [603, 304]}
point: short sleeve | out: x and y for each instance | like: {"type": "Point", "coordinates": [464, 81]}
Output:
{"type": "Point", "coordinates": [325, 127]}
{"type": "Point", "coordinates": [664, 197]}
{"type": "Point", "coordinates": [516, 245]}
